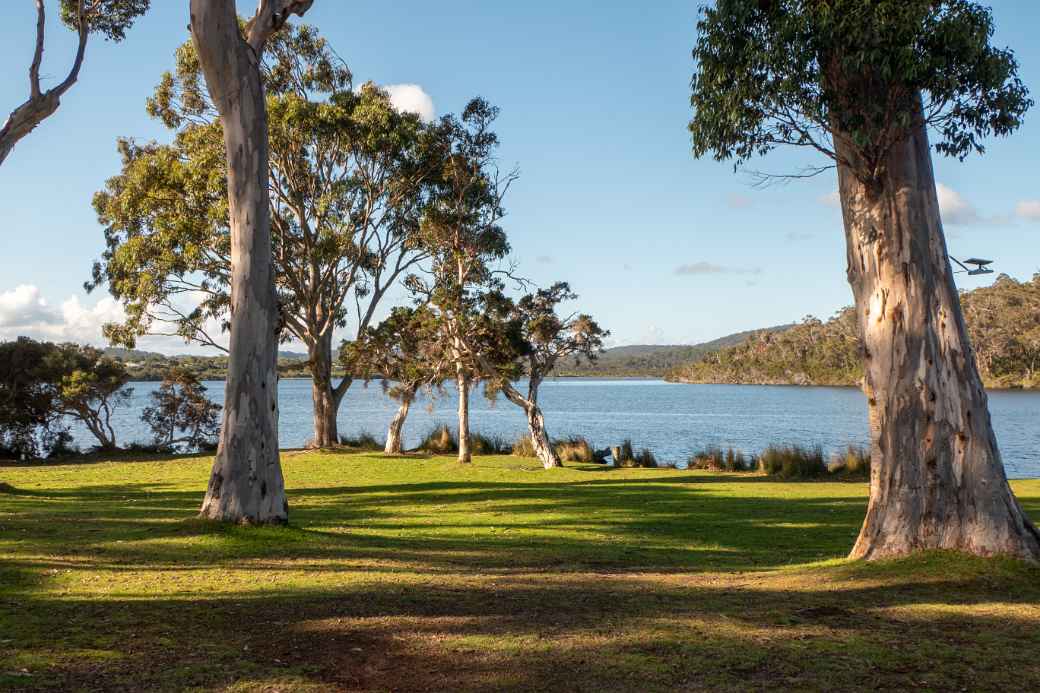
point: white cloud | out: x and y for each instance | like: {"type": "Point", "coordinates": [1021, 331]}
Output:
{"type": "Point", "coordinates": [1028, 209]}
{"type": "Point", "coordinates": [954, 208]}
{"type": "Point", "coordinates": [411, 98]}
{"type": "Point", "coordinates": [831, 199]}
{"type": "Point", "coordinates": [23, 305]}
{"type": "Point", "coordinates": [701, 268]}
{"type": "Point", "coordinates": [24, 311]}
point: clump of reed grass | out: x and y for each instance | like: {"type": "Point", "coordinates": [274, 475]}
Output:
{"type": "Point", "coordinates": [481, 444]}
{"type": "Point", "coordinates": [574, 449]}
{"type": "Point", "coordinates": [571, 449]}
{"type": "Point", "coordinates": [793, 462]}
{"type": "Point", "coordinates": [853, 461]}
{"type": "Point", "coordinates": [626, 456]}
{"type": "Point", "coordinates": [441, 440]}
{"type": "Point", "coordinates": [523, 447]}
{"type": "Point", "coordinates": [363, 441]}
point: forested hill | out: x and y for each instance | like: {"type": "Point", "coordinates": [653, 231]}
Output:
{"type": "Point", "coordinates": [1003, 321]}
{"type": "Point", "coordinates": [648, 360]}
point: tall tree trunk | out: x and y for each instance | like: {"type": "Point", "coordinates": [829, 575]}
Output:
{"type": "Point", "coordinates": [246, 483]}
{"type": "Point", "coordinates": [937, 480]}
{"type": "Point", "coordinates": [324, 396]}
{"type": "Point", "coordinates": [393, 436]}
{"type": "Point", "coordinates": [462, 382]}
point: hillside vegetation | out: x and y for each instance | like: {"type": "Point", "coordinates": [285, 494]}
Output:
{"type": "Point", "coordinates": [1003, 322]}
{"type": "Point", "coordinates": [649, 360]}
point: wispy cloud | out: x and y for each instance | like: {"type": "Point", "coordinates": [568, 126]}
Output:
{"type": "Point", "coordinates": [708, 268]}
{"type": "Point", "coordinates": [1028, 210]}
{"type": "Point", "coordinates": [799, 236]}
{"type": "Point", "coordinates": [736, 201]}
{"type": "Point", "coordinates": [544, 260]}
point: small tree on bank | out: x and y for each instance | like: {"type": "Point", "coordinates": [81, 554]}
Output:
{"type": "Point", "coordinates": [861, 82]}
{"type": "Point", "coordinates": [88, 387]}
{"type": "Point", "coordinates": [246, 484]}
{"type": "Point", "coordinates": [29, 420]}
{"type": "Point", "coordinates": [110, 18]}
{"type": "Point", "coordinates": [181, 415]}
{"type": "Point", "coordinates": [545, 339]}
{"type": "Point", "coordinates": [405, 352]}
{"type": "Point", "coordinates": [461, 232]}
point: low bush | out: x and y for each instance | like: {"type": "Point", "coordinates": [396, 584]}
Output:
{"type": "Point", "coordinates": [523, 447]}
{"type": "Point", "coordinates": [364, 441]}
{"type": "Point", "coordinates": [481, 444]}
{"type": "Point", "coordinates": [854, 461]}
{"type": "Point", "coordinates": [574, 449]}
{"type": "Point", "coordinates": [440, 441]}
{"type": "Point", "coordinates": [793, 462]}
{"type": "Point", "coordinates": [710, 459]}
{"type": "Point", "coordinates": [626, 456]}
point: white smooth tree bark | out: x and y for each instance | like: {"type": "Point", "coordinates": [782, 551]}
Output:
{"type": "Point", "coordinates": [393, 435]}
{"type": "Point", "coordinates": [246, 483]}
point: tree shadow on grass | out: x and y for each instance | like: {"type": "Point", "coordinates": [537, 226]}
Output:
{"type": "Point", "coordinates": [909, 624]}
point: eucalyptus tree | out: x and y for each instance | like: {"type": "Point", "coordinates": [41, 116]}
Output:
{"type": "Point", "coordinates": [405, 351]}
{"type": "Point", "coordinates": [110, 18]}
{"type": "Point", "coordinates": [246, 484]}
{"type": "Point", "coordinates": [347, 183]}
{"type": "Point", "coordinates": [861, 83]}
{"type": "Point", "coordinates": [461, 232]}
{"type": "Point", "coordinates": [545, 338]}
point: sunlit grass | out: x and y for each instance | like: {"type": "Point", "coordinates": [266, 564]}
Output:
{"type": "Point", "coordinates": [415, 572]}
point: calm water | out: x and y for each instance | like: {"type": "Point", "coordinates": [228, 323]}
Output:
{"type": "Point", "coordinates": [673, 420]}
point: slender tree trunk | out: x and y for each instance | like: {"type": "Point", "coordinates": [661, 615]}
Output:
{"type": "Point", "coordinates": [41, 104]}
{"type": "Point", "coordinates": [543, 448]}
{"type": "Point", "coordinates": [462, 382]}
{"type": "Point", "coordinates": [393, 436]}
{"type": "Point", "coordinates": [937, 480]}
{"type": "Point", "coordinates": [246, 484]}
{"type": "Point", "coordinates": [324, 396]}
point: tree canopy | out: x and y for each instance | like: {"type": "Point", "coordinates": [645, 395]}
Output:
{"type": "Point", "coordinates": [795, 72]}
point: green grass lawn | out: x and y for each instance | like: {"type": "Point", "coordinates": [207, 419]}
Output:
{"type": "Point", "coordinates": [419, 574]}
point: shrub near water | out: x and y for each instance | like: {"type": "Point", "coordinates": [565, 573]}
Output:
{"type": "Point", "coordinates": [793, 462]}
{"type": "Point", "coordinates": [854, 461]}
{"type": "Point", "coordinates": [489, 445]}
{"type": "Point", "coordinates": [364, 441]}
{"type": "Point", "coordinates": [627, 457]}
{"type": "Point", "coordinates": [572, 449]}
{"type": "Point", "coordinates": [440, 441]}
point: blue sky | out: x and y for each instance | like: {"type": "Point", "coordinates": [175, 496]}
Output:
{"type": "Point", "coordinates": [595, 100]}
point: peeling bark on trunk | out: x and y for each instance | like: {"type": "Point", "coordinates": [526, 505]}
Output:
{"type": "Point", "coordinates": [326, 398]}
{"type": "Point", "coordinates": [393, 436]}
{"type": "Point", "coordinates": [937, 480]}
{"type": "Point", "coordinates": [543, 448]}
{"type": "Point", "coordinates": [465, 453]}
{"type": "Point", "coordinates": [246, 484]}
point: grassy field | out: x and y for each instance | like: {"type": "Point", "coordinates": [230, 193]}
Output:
{"type": "Point", "coordinates": [418, 574]}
